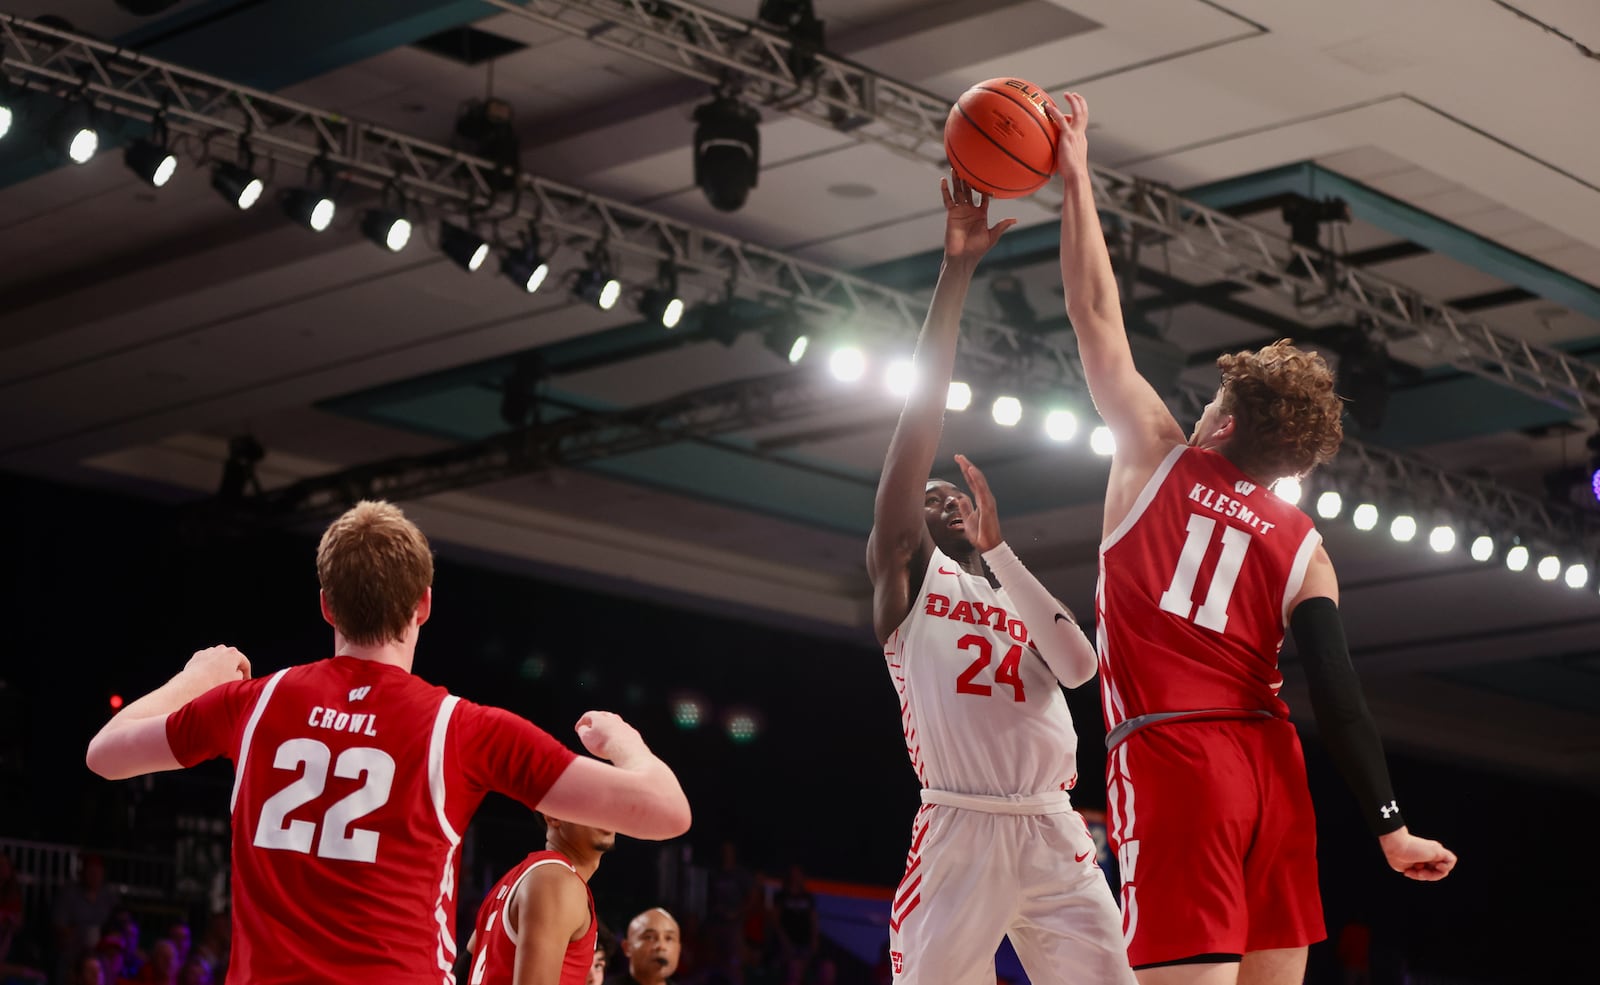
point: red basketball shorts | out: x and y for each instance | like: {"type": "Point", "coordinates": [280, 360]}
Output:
{"type": "Point", "coordinates": [1215, 836]}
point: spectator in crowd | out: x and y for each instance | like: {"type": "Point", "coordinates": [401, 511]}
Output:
{"type": "Point", "coordinates": [796, 921]}
{"type": "Point", "coordinates": [181, 939]}
{"type": "Point", "coordinates": [126, 927]}
{"type": "Point", "coordinates": [89, 971]}
{"type": "Point", "coordinates": [110, 952]}
{"type": "Point", "coordinates": [163, 966]}
{"type": "Point", "coordinates": [195, 971]}
{"type": "Point", "coordinates": [604, 942]}
{"type": "Point", "coordinates": [81, 910]}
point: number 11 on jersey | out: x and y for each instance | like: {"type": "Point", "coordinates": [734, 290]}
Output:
{"type": "Point", "coordinates": [1178, 599]}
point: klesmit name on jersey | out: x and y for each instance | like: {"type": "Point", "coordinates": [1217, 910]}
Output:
{"type": "Point", "coordinates": [342, 721]}
{"type": "Point", "coordinates": [1228, 506]}
{"type": "Point", "coordinates": [976, 613]}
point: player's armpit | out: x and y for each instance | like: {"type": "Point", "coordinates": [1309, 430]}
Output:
{"type": "Point", "coordinates": [132, 747]}
{"type": "Point", "coordinates": [551, 911]}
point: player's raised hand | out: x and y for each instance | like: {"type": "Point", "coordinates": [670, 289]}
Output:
{"type": "Point", "coordinates": [967, 233]}
{"type": "Point", "coordinates": [1417, 858]}
{"type": "Point", "coordinates": [1072, 153]}
{"type": "Point", "coordinates": [979, 519]}
{"type": "Point", "coordinates": [607, 736]}
{"type": "Point", "coordinates": [220, 664]}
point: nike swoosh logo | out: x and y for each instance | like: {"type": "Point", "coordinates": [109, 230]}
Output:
{"type": "Point", "coordinates": [1080, 858]}
{"type": "Point", "coordinates": [944, 572]}
{"type": "Point", "coordinates": [1062, 617]}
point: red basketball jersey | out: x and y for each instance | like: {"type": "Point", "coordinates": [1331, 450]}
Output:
{"type": "Point", "coordinates": [496, 960]}
{"type": "Point", "coordinates": [353, 781]}
{"type": "Point", "coordinates": [1194, 591]}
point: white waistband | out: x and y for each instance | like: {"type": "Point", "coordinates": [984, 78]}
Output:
{"type": "Point", "coordinates": [1049, 802]}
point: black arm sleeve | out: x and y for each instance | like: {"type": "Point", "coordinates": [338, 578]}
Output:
{"type": "Point", "coordinates": [1342, 716]}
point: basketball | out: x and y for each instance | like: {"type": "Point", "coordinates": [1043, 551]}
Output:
{"type": "Point", "coordinates": [999, 140]}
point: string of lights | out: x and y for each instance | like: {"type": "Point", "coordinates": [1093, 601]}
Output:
{"type": "Point", "coordinates": [237, 127]}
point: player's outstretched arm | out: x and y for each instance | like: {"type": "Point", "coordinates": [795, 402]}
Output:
{"type": "Point", "coordinates": [1346, 724]}
{"type": "Point", "coordinates": [1143, 427]}
{"type": "Point", "coordinates": [635, 794]}
{"type": "Point", "coordinates": [552, 911]}
{"type": "Point", "coordinates": [899, 533]}
{"type": "Point", "coordinates": [1051, 626]}
{"type": "Point", "coordinates": [135, 742]}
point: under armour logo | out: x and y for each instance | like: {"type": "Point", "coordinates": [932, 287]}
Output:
{"type": "Point", "coordinates": [899, 961]}
{"type": "Point", "coordinates": [1244, 488]}
{"type": "Point", "coordinates": [357, 693]}
{"type": "Point", "coordinates": [1389, 810]}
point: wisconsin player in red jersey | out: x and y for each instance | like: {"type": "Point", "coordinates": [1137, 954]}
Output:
{"type": "Point", "coordinates": [353, 778]}
{"type": "Point", "coordinates": [1202, 570]}
{"type": "Point", "coordinates": [978, 651]}
{"type": "Point", "coordinates": [537, 926]}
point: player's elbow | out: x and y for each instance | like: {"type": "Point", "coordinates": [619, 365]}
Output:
{"type": "Point", "coordinates": [102, 760]}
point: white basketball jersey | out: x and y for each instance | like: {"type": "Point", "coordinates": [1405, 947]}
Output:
{"type": "Point", "coordinates": [982, 713]}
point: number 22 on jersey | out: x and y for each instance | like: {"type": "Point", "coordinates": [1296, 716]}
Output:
{"type": "Point", "coordinates": [1178, 599]}
{"type": "Point", "coordinates": [340, 839]}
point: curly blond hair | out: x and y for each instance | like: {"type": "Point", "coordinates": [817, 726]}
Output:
{"type": "Point", "coordinates": [1286, 415]}
{"type": "Point", "coordinates": [374, 565]}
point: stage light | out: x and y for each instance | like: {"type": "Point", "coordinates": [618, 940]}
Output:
{"type": "Point", "coordinates": [1007, 411]}
{"type": "Point", "coordinates": [1549, 567]}
{"type": "Point", "coordinates": [1329, 504]}
{"type": "Point", "coordinates": [116, 702]}
{"type": "Point", "coordinates": [311, 209]}
{"type": "Point", "coordinates": [1517, 558]}
{"type": "Point", "coordinates": [465, 248]}
{"type": "Point", "coordinates": [1102, 441]}
{"type": "Point", "coordinates": [1577, 575]}
{"type": "Point", "coordinates": [79, 141]}
{"type": "Point", "coordinates": [900, 377]}
{"type": "Point", "coordinates": [1365, 516]}
{"type": "Point", "coordinates": [1060, 425]}
{"type": "Point", "coordinates": [727, 152]}
{"type": "Point", "coordinates": [1288, 489]}
{"type": "Point", "coordinates": [743, 727]}
{"type": "Point", "coordinates": [1403, 528]}
{"type": "Point", "coordinates": [787, 338]}
{"type": "Point", "coordinates": [526, 267]}
{"type": "Point", "coordinates": [660, 302]}
{"type": "Point", "coordinates": [6, 117]}
{"type": "Point", "coordinates": [237, 185]}
{"type": "Point", "coordinates": [386, 227]}
{"type": "Point", "coordinates": [1442, 539]}
{"type": "Point", "coordinates": [595, 284]}
{"type": "Point", "coordinates": [958, 397]}
{"type": "Point", "coordinates": [688, 712]}
{"type": "Point", "coordinates": [797, 351]}
{"type": "Point", "coordinates": [1482, 547]}
{"type": "Point", "coordinates": [847, 363]}
{"type": "Point", "coordinates": [151, 161]}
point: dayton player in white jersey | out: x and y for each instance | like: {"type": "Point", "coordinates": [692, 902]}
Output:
{"type": "Point", "coordinates": [978, 650]}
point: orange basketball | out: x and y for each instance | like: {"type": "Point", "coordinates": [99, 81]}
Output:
{"type": "Point", "coordinates": [999, 140]}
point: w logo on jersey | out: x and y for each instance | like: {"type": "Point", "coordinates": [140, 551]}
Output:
{"type": "Point", "coordinates": [357, 693]}
{"type": "Point", "coordinates": [1244, 488]}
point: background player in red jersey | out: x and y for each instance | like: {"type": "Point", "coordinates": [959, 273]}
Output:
{"type": "Point", "coordinates": [978, 651]}
{"type": "Point", "coordinates": [537, 926]}
{"type": "Point", "coordinates": [353, 778]}
{"type": "Point", "coordinates": [1202, 569]}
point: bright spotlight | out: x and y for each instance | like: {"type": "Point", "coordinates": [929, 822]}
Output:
{"type": "Point", "coordinates": [596, 286]}
{"type": "Point", "coordinates": [82, 144]}
{"type": "Point", "coordinates": [525, 267]}
{"type": "Point", "coordinates": [1482, 547]}
{"type": "Point", "coordinates": [1288, 489]}
{"type": "Point", "coordinates": [1403, 528]}
{"type": "Point", "coordinates": [959, 396]}
{"type": "Point", "coordinates": [688, 711]}
{"type": "Point", "coordinates": [1517, 558]}
{"type": "Point", "coordinates": [388, 228]}
{"type": "Point", "coordinates": [6, 116]}
{"type": "Point", "coordinates": [1577, 575]}
{"type": "Point", "coordinates": [797, 349]}
{"type": "Point", "coordinates": [313, 210]}
{"type": "Point", "coordinates": [662, 305]}
{"type": "Point", "coordinates": [847, 364]}
{"type": "Point", "coordinates": [1442, 539]}
{"type": "Point", "coordinates": [237, 185]}
{"type": "Point", "coordinates": [151, 161]}
{"type": "Point", "coordinates": [899, 377]}
{"type": "Point", "coordinates": [1007, 411]}
{"type": "Point", "coordinates": [1329, 504]}
{"type": "Point", "coordinates": [1365, 516]}
{"type": "Point", "coordinates": [1101, 441]}
{"type": "Point", "coordinates": [465, 248]}
{"type": "Point", "coordinates": [1549, 567]}
{"type": "Point", "coordinates": [1060, 425]}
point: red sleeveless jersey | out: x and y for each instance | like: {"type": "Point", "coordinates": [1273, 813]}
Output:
{"type": "Point", "coordinates": [353, 781]}
{"type": "Point", "coordinates": [496, 960]}
{"type": "Point", "coordinates": [1194, 591]}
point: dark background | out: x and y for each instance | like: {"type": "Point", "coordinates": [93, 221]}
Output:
{"type": "Point", "coordinates": [107, 595]}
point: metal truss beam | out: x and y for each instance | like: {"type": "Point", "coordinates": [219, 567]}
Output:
{"type": "Point", "coordinates": [563, 442]}
{"type": "Point", "coordinates": [215, 112]}
{"type": "Point", "coordinates": [835, 93]}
